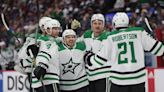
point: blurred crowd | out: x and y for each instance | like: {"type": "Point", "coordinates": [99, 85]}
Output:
{"type": "Point", "coordinates": [22, 18]}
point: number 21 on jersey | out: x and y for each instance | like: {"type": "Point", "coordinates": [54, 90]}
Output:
{"type": "Point", "coordinates": [122, 47]}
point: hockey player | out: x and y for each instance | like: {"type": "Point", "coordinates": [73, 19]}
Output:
{"type": "Point", "coordinates": [46, 72]}
{"type": "Point", "coordinates": [42, 23]}
{"type": "Point", "coordinates": [93, 38]}
{"type": "Point", "coordinates": [73, 76]}
{"type": "Point", "coordinates": [24, 66]}
{"type": "Point", "coordinates": [24, 60]}
{"type": "Point", "coordinates": [53, 29]}
{"type": "Point", "coordinates": [125, 47]}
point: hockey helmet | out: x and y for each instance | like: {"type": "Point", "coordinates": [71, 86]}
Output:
{"type": "Point", "coordinates": [97, 17]}
{"type": "Point", "coordinates": [50, 24]}
{"type": "Point", "coordinates": [68, 32]}
{"type": "Point", "coordinates": [42, 22]}
{"type": "Point", "coordinates": [120, 19]}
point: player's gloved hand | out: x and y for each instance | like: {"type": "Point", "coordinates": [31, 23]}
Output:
{"type": "Point", "coordinates": [87, 57]}
{"type": "Point", "coordinates": [20, 69]}
{"type": "Point", "coordinates": [40, 70]}
{"type": "Point", "coordinates": [34, 49]}
{"type": "Point", "coordinates": [75, 24]}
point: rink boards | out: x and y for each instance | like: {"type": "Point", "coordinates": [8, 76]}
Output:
{"type": "Point", "coordinates": [12, 81]}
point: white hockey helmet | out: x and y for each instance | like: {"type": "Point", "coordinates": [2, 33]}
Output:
{"type": "Point", "coordinates": [120, 19]}
{"type": "Point", "coordinates": [42, 22]}
{"type": "Point", "coordinates": [50, 24]}
{"type": "Point", "coordinates": [68, 32]}
{"type": "Point", "coordinates": [97, 17]}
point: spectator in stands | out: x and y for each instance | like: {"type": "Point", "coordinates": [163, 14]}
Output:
{"type": "Point", "coordinates": [24, 12]}
{"type": "Point", "coordinates": [8, 55]}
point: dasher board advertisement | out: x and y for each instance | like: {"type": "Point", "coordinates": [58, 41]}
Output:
{"type": "Point", "coordinates": [15, 82]}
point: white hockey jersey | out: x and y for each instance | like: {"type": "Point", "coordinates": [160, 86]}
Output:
{"type": "Point", "coordinates": [48, 54]}
{"type": "Point", "coordinates": [45, 50]}
{"type": "Point", "coordinates": [125, 49]}
{"type": "Point", "coordinates": [72, 68]}
{"type": "Point", "coordinates": [94, 45]}
{"type": "Point", "coordinates": [23, 59]}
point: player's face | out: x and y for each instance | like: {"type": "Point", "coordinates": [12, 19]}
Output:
{"type": "Point", "coordinates": [97, 26]}
{"type": "Point", "coordinates": [55, 31]}
{"type": "Point", "coordinates": [70, 40]}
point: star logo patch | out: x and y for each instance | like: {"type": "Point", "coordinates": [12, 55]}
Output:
{"type": "Point", "coordinates": [70, 66]}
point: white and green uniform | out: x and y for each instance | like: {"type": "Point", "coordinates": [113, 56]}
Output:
{"type": "Point", "coordinates": [53, 74]}
{"type": "Point", "coordinates": [48, 54]}
{"type": "Point", "coordinates": [125, 49]}
{"type": "Point", "coordinates": [72, 68]}
{"type": "Point", "coordinates": [25, 62]}
{"type": "Point", "coordinates": [94, 44]}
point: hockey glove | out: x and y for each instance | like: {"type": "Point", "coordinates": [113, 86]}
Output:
{"type": "Point", "coordinates": [34, 48]}
{"type": "Point", "coordinates": [75, 24]}
{"type": "Point", "coordinates": [20, 69]}
{"type": "Point", "coordinates": [40, 70]}
{"type": "Point", "coordinates": [87, 57]}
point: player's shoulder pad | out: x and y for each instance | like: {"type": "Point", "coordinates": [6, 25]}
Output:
{"type": "Point", "coordinates": [44, 38]}
{"type": "Point", "coordinates": [103, 35]}
{"type": "Point", "coordinates": [61, 46]}
{"type": "Point", "coordinates": [80, 45]}
{"type": "Point", "coordinates": [87, 33]}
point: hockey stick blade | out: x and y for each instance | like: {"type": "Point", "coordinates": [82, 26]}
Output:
{"type": "Point", "coordinates": [4, 22]}
{"type": "Point", "coordinates": [7, 27]}
{"type": "Point", "coordinates": [147, 24]}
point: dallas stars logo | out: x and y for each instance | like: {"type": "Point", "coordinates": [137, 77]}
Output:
{"type": "Point", "coordinates": [70, 66]}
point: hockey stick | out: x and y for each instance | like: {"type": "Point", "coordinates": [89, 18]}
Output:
{"type": "Point", "coordinates": [31, 55]}
{"type": "Point", "coordinates": [36, 36]}
{"type": "Point", "coordinates": [37, 28]}
{"type": "Point", "coordinates": [7, 28]}
{"type": "Point", "coordinates": [147, 24]}
{"type": "Point", "coordinates": [30, 52]}
{"type": "Point", "coordinates": [4, 22]}
{"type": "Point", "coordinates": [32, 66]}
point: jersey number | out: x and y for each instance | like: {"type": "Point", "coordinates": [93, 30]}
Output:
{"type": "Point", "coordinates": [123, 51]}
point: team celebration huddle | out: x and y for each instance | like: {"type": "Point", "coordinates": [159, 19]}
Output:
{"type": "Point", "coordinates": [98, 61]}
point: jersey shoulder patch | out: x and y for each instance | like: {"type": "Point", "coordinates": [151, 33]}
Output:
{"type": "Point", "coordinates": [80, 46]}
{"type": "Point", "coordinates": [88, 34]}
{"type": "Point", "coordinates": [103, 35]}
{"type": "Point", "coordinates": [61, 46]}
